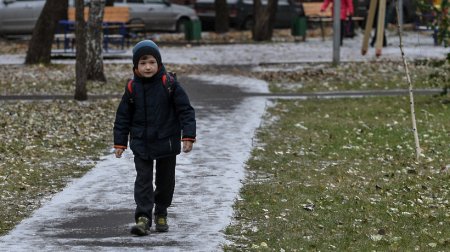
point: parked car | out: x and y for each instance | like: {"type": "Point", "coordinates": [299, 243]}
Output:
{"type": "Point", "coordinates": [241, 13]}
{"type": "Point", "coordinates": [159, 15]}
{"type": "Point", "coordinates": [20, 16]}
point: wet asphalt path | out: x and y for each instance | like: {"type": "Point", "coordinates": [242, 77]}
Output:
{"type": "Point", "coordinates": [95, 212]}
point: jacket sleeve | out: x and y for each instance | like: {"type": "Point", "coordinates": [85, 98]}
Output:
{"type": "Point", "coordinates": [185, 112]}
{"type": "Point", "coordinates": [122, 123]}
{"type": "Point", "coordinates": [349, 10]}
{"type": "Point", "coordinates": [325, 5]}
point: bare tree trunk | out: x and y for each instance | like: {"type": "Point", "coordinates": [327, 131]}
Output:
{"type": "Point", "coordinates": [109, 2]}
{"type": "Point", "coordinates": [222, 22]}
{"type": "Point", "coordinates": [40, 46]}
{"type": "Point", "coordinates": [94, 41]}
{"type": "Point", "coordinates": [81, 52]}
{"type": "Point", "coordinates": [264, 17]}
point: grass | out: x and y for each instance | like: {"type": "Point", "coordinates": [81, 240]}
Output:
{"type": "Point", "coordinates": [45, 145]}
{"type": "Point", "coordinates": [358, 76]}
{"type": "Point", "coordinates": [60, 79]}
{"type": "Point", "coordinates": [340, 175]}
{"type": "Point", "coordinates": [57, 79]}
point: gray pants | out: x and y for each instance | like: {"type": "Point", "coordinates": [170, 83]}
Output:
{"type": "Point", "coordinates": [144, 195]}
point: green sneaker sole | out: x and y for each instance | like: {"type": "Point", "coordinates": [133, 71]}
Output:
{"type": "Point", "coordinates": [138, 231]}
{"type": "Point", "coordinates": [162, 228]}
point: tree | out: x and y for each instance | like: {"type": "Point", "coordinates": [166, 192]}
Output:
{"type": "Point", "coordinates": [94, 41]}
{"type": "Point", "coordinates": [109, 3]}
{"type": "Point", "coordinates": [40, 45]}
{"type": "Point", "coordinates": [264, 17]}
{"type": "Point", "coordinates": [81, 52]}
{"type": "Point", "coordinates": [438, 17]}
{"type": "Point", "coordinates": [222, 22]}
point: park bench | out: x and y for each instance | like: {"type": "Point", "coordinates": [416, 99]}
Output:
{"type": "Point", "coordinates": [116, 27]}
{"type": "Point", "coordinates": [428, 28]}
{"type": "Point", "coordinates": [314, 15]}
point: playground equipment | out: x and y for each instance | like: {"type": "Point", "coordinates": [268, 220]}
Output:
{"type": "Point", "coordinates": [380, 26]}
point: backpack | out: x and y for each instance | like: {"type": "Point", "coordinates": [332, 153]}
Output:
{"type": "Point", "coordinates": [168, 80]}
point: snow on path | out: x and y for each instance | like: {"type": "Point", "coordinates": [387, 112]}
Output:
{"type": "Point", "coordinates": [416, 46]}
{"type": "Point", "coordinates": [95, 212]}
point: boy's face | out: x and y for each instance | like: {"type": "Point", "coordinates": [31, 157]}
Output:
{"type": "Point", "coordinates": [147, 66]}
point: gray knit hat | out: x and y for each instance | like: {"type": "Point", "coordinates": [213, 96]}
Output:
{"type": "Point", "coordinates": [146, 47]}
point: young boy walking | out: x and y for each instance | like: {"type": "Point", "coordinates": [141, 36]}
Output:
{"type": "Point", "coordinates": [155, 113]}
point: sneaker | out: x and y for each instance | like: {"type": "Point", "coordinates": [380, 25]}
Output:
{"type": "Point", "coordinates": [161, 223]}
{"type": "Point", "coordinates": [141, 228]}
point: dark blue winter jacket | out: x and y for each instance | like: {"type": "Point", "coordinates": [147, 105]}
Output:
{"type": "Point", "coordinates": [154, 118]}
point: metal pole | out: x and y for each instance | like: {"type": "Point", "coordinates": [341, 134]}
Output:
{"type": "Point", "coordinates": [336, 31]}
{"type": "Point", "coordinates": [400, 15]}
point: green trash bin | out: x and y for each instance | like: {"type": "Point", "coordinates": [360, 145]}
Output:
{"type": "Point", "coordinates": [299, 27]}
{"type": "Point", "coordinates": [193, 30]}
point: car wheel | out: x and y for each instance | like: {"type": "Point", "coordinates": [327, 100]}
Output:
{"type": "Point", "coordinates": [182, 25]}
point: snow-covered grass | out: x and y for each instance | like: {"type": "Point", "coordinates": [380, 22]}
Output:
{"type": "Point", "coordinates": [285, 78]}
{"type": "Point", "coordinates": [208, 179]}
{"type": "Point", "coordinates": [341, 175]}
{"type": "Point", "coordinates": [51, 128]}
{"type": "Point", "coordinates": [383, 75]}
{"type": "Point", "coordinates": [43, 146]}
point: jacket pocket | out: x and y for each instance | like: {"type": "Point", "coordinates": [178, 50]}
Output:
{"type": "Point", "coordinates": [172, 130]}
{"type": "Point", "coordinates": [167, 146]}
{"type": "Point", "coordinates": [137, 133]}
{"type": "Point", "coordinates": [137, 143]}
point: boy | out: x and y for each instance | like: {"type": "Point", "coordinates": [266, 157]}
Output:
{"type": "Point", "coordinates": [155, 112]}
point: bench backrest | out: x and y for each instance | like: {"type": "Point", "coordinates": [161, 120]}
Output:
{"type": "Point", "coordinates": [313, 9]}
{"type": "Point", "coordinates": [112, 14]}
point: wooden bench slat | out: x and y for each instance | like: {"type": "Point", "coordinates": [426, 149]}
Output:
{"type": "Point", "coordinates": [313, 9]}
{"type": "Point", "coordinates": [112, 14]}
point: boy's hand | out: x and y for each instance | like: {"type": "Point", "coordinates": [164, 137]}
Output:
{"type": "Point", "coordinates": [187, 146]}
{"type": "Point", "coordinates": [118, 152]}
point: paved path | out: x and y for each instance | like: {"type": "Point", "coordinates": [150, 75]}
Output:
{"type": "Point", "coordinates": [94, 213]}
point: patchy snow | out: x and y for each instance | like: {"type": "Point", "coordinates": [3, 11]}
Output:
{"type": "Point", "coordinates": [416, 46]}
{"type": "Point", "coordinates": [208, 179]}
{"type": "Point", "coordinates": [95, 212]}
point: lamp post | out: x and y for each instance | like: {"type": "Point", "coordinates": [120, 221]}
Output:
{"type": "Point", "coordinates": [336, 31]}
